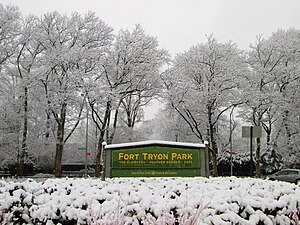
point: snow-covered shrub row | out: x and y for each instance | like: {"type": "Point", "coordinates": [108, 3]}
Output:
{"type": "Point", "coordinates": [149, 201]}
{"type": "Point", "coordinates": [270, 162]}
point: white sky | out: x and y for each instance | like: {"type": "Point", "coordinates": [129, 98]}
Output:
{"type": "Point", "coordinates": [179, 24]}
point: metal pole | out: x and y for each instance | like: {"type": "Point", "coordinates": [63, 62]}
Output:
{"type": "Point", "coordinates": [206, 158]}
{"type": "Point", "coordinates": [251, 157]}
{"type": "Point", "coordinates": [86, 139]}
{"type": "Point", "coordinates": [102, 160]}
{"type": "Point", "coordinates": [230, 141]}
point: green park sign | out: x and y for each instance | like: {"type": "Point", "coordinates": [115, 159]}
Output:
{"type": "Point", "coordinates": [156, 159]}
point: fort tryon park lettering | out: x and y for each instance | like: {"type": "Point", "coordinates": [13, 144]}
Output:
{"type": "Point", "coordinates": [152, 156]}
{"type": "Point", "coordinates": [149, 156]}
{"type": "Point", "coordinates": [124, 156]}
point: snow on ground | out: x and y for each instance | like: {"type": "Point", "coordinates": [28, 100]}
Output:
{"type": "Point", "coordinates": [227, 200]}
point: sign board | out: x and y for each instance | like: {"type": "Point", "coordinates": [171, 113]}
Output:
{"type": "Point", "coordinates": [156, 160]}
{"type": "Point", "coordinates": [256, 132]}
{"type": "Point", "coordinates": [82, 149]}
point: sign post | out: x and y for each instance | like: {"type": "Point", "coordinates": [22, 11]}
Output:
{"type": "Point", "coordinates": [206, 155]}
{"type": "Point", "coordinates": [251, 132]}
{"type": "Point", "coordinates": [102, 161]}
{"type": "Point", "coordinates": [251, 151]}
{"type": "Point", "coordinates": [86, 139]}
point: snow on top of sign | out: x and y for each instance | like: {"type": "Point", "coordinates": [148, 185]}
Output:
{"type": "Point", "coordinates": [155, 142]}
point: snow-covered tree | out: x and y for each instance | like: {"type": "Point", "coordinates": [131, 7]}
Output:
{"type": "Point", "coordinates": [202, 86]}
{"type": "Point", "coordinates": [147, 60]}
{"type": "Point", "coordinates": [73, 47]}
{"type": "Point", "coordinates": [270, 90]}
{"type": "Point", "coordinates": [128, 80]}
{"type": "Point", "coordinates": [170, 126]}
{"type": "Point", "coordinates": [288, 121]}
{"type": "Point", "coordinates": [29, 50]}
{"type": "Point", "coordinates": [10, 25]}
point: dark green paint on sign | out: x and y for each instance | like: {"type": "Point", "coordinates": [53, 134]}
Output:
{"type": "Point", "coordinates": [157, 161]}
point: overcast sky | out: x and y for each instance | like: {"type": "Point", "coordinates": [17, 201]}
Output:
{"type": "Point", "coordinates": [179, 24]}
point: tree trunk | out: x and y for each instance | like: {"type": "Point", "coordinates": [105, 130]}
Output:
{"type": "Point", "coordinates": [101, 138]}
{"type": "Point", "coordinates": [268, 139]}
{"type": "Point", "coordinates": [60, 140]}
{"type": "Point", "coordinates": [214, 155]}
{"type": "Point", "coordinates": [214, 148]}
{"type": "Point", "coordinates": [24, 134]}
{"type": "Point", "coordinates": [130, 129]}
{"type": "Point", "coordinates": [111, 136]}
{"type": "Point", "coordinates": [47, 133]}
{"type": "Point", "coordinates": [48, 124]}
{"type": "Point", "coordinates": [98, 155]}
{"type": "Point", "coordinates": [287, 131]}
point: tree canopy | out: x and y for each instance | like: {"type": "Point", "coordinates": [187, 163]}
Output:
{"type": "Point", "coordinates": [59, 73]}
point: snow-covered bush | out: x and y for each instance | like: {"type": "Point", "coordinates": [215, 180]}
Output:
{"type": "Point", "coordinates": [240, 162]}
{"type": "Point", "coordinates": [271, 161]}
{"type": "Point", "coordinates": [149, 201]}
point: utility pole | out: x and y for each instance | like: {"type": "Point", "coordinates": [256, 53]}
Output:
{"type": "Point", "coordinates": [230, 142]}
{"type": "Point", "coordinates": [86, 139]}
{"type": "Point", "coordinates": [251, 150]}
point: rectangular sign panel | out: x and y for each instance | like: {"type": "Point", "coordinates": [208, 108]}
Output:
{"type": "Point", "coordinates": [256, 132]}
{"type": "Point", "coordinates": [155, 161]}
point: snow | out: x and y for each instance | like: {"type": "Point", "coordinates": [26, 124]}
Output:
{"type": "Point", "coordinates": [223, 200]}
{"type": "Point", "coordinates": [155, 142]}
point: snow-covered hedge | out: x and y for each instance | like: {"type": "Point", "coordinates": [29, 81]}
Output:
{"type": "Point", "coordinates": [149, 201]}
